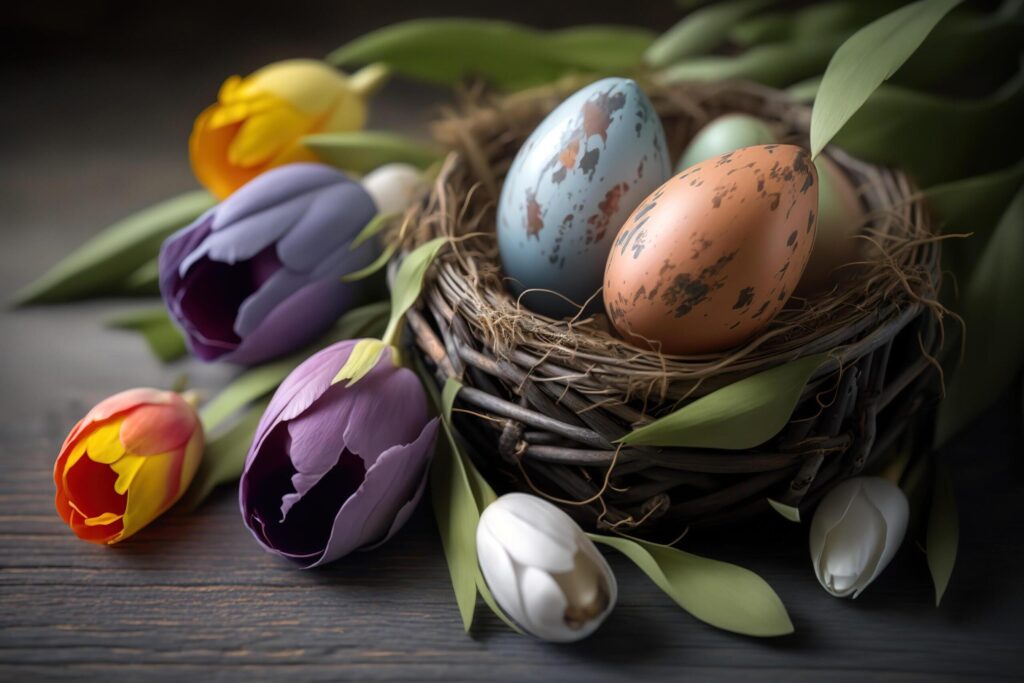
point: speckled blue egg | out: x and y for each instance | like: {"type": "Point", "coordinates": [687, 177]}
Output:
{"type": "Point", "coordinates": [571, 186]}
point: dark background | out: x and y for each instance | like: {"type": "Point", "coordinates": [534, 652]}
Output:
{"type": "Point", "coordinates": [98, 101]}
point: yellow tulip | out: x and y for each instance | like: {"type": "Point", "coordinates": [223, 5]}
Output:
{"type": "Point", "coordinates": [258, 120]}
{"type": "Point", "coordinates": [126, 462]}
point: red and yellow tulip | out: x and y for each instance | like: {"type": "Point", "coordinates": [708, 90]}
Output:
{"type": "Point", "coordinates": [128, 460]}
{"type": "Point", "coordinates": [258, 121]}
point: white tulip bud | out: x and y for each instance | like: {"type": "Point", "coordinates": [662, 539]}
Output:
{"type": "Point", "coordinates": [542, 569]}
{"type": "Point", "coordinates": [394, 187]}
{"type": "Point", "coordinates": [857, 529]}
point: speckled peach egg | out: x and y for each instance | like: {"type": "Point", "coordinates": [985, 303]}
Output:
{"type": "Point", "coordinates": [711, 256]}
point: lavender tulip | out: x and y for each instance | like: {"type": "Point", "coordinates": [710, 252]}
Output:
{"type": "Point", "coordinates": [335, 468]}
{"type": "Point", "coordinates": [258, 276]}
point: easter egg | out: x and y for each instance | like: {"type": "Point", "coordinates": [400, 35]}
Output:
{"type": "Point", "coordinates": [840, 215]}
{"type": "Point", "coordinates": [727, 133]}
{"type": "Point", "coordinates": [710, 257]}
{"type": "Point", "coordinates": [837, 247]}
{"type": "Point", "coordinates": [572, 184]}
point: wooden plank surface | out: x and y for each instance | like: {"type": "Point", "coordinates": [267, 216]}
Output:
{"type": "Point", "coordinates": [195, 596]}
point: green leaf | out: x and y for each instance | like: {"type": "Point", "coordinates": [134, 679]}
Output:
{"type": "Point", "coordinates": [163, 338]}
{"type": "Point", "coordinates": [721, 594]}
{"type": "Point", "coordinates": [805, 90]}
{"type": "Point", "coordinates": [865, 60]}
{"type": "Point", "coordinates": [972, 205]}
{"type": "Point", "coordinates": [364, 150]}
{"type": "Point", "coordinates": [373, 228]}
{"type": "Point", "coordinates": [369, 270]}
{"type": "Point", "coordinates": [255, 383]}
{"type": "Point", "coordinates": [446, 51]}
{"type": "Point", "coordinates": [837, 17]}
{"type": "Point", "coordinates": [361, 360]}
{"type": "Point", "coordinates": [143, 281]}
{"type": "Point", "coordinates": [699, 32]}
{"type": "Point", "coordinates": [943, 533]}
{"type": "Point", "coordinates": [408, 284]}
{"type": "Point", "coordinates": [224, 457]}
{"type": "Point", "coordinates": [457, 514]}
{"type": "Point", "coordinates": [912, 130]}
{"type": "Point", "coordinates": [97, 267]}
{"type": "Point", "coordinates": [994, 344]}
{"type": "Point", "coordinates": [741, 415]}
{"type": "Point", "coordinates": [777, 65]}
{"type": "Point", "coordinates": [483, 494]}
{"type": "Point", "coordinates": [788, 511]}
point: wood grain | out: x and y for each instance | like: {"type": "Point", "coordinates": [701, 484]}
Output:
{"type": "Point", "coordinates": [194, 596]}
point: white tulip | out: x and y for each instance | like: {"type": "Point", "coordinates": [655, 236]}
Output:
{"type": "Point", "coordinates": [393, 187]}
{"type": "Point", "coordinates": [542, 569]}
{"type": "Point", "coordinates": [857, 529]}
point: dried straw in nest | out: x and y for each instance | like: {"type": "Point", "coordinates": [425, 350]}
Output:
{"type": "Point", "coordinates": [549, 398]}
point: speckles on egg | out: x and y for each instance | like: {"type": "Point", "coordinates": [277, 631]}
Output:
{"type": "Point", "coordinates": [723, 245]}
{"type": "Point", "coordinates": [576, 178]}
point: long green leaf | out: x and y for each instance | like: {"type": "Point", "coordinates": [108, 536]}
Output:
{"type": "Point", "coordinates": [865, 60]}
{"type": "Point", "coordinates": [718, 593]}
{"type": "Point", "coordinates": [913, 131]}
{"type": "Point", "coordinates": [255, 383]}
{"type": "Point", "coordinates": [362, 151]}
{"type": "Point", "coordinates": [700, 31]}
{"type": "Point", "coordinates": [972, 205]}
{"type": "Point", "coordinates": [741, 415]}
{"type": "Point", "coordinates": [818, 19]}
{"type": "Point", "coordinates": [408, 284]}
{"type": "Point", "coordinates": [994, 345]}
{"type": "Point", "coordinates": [510, 55]}
{"type": "Point", "coordinates": [777, 65]}
{"type": "Point", "coordinates": [943, 533]}
{"type": "Point", "coordinates": [361, 360]}
{"type": "Point", "coordinates": [143, 281]}
{"type": "Point", "coordinates": [98, 266]}
{"type": "Point", "coordinates": [163, 338]}
{"type": "Point", "coordinates": [223, 457]}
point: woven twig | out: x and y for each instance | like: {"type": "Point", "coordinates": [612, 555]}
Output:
{"type": "Point", "coordinates": [544, 400]}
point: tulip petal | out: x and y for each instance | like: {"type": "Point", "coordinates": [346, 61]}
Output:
{"type": "Point", "coordinates": [367, 515]}
{"type": "Point", "coordinates": [263, 135]}
{"type": "Point", "coordinates": [333, 218]}
{"type": "Point", "coordinates": [151, 429]}
{"type": "Point", "coordinates": [272, 189]}
{"type": "Point", "coordinates": [208, 151]}
{"type": "Point", "coordinates": [544, 605]}
{"type": "Point", "coordinates": [249, 236]}
{"type": "Point", "coordinates": [544, 517]}
{"type": "Point", "coordinates": [500, 574]}
{"type": "Point", "coordinates": [258, 305]}
{"type": "Point", "coordinates": [154, 487]}
{"type": "Point", "coordinates": [852, 548]}
{"type": "Point", "coordinates": [90, 489]}
{"type": "Point", "coordinates": [387, 408]}
{"type": "Point", "coordinates": [103, 444]}
{"type": "Point", "coordinates": [528, 545]}
{"type": "Point", "coordinates": [310, 85]}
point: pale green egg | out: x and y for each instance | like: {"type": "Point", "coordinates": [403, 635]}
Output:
{"type": "Point", "coordinates": [725, 134]}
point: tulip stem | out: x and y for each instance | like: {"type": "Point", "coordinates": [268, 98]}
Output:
{"type": "Point", "coordinates": [370, 79]}
{"type": "Point", "coordinates": [193, 397]}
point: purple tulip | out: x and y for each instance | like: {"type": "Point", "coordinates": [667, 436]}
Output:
{"type": "Point", "coordinates": [333, 468]}
{"type": "Point", "coordinates": [258, 276]}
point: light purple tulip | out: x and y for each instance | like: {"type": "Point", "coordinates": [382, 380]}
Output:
{"type": "Point", "coordinates": [258, 276]}
{"type": "Point", "coordinates": [333, 468]}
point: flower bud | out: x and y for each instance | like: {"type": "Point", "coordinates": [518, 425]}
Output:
{"type": "Point", "coordinates": [258, 121]}
{"type": "Point", "coordinates": [128, 460]}
{"type": "Point", "coordinates": [336, 468]}
{"type": "Point", "coordinates": [542, 569]}
{"type": "Point", "coordinates": [394, 186]}
{"type": "Point", "coordinates": [259, 275]}
{"type": "Point", "coordinates": [857, 529]}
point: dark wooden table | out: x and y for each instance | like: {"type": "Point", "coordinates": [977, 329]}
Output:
{"type": "Point", "coordinates": [195, 596]}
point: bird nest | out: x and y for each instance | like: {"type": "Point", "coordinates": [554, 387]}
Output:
{"type": "Point", "coordinates": [545, 401]}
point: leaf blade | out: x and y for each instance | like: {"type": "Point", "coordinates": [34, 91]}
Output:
{"type": "Point", "coordinates": [105, 260]}
{"type": "Point", "coordinates": [724, 595]}
{"type": "Point", "coordinates": [362, 151]}
{"type": "Point", "coordinates": [741, 415]}
{"type": "Point", "coordinates": [866, 60]}
{"type": "Point", "coordinates": [156, 328]}
{"type": "Point", "coordinates": [943, 534]}
{"type": "Point", "coordinates": [408, 283]}
{"type": "Point", "coordinates": [700, 31]}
